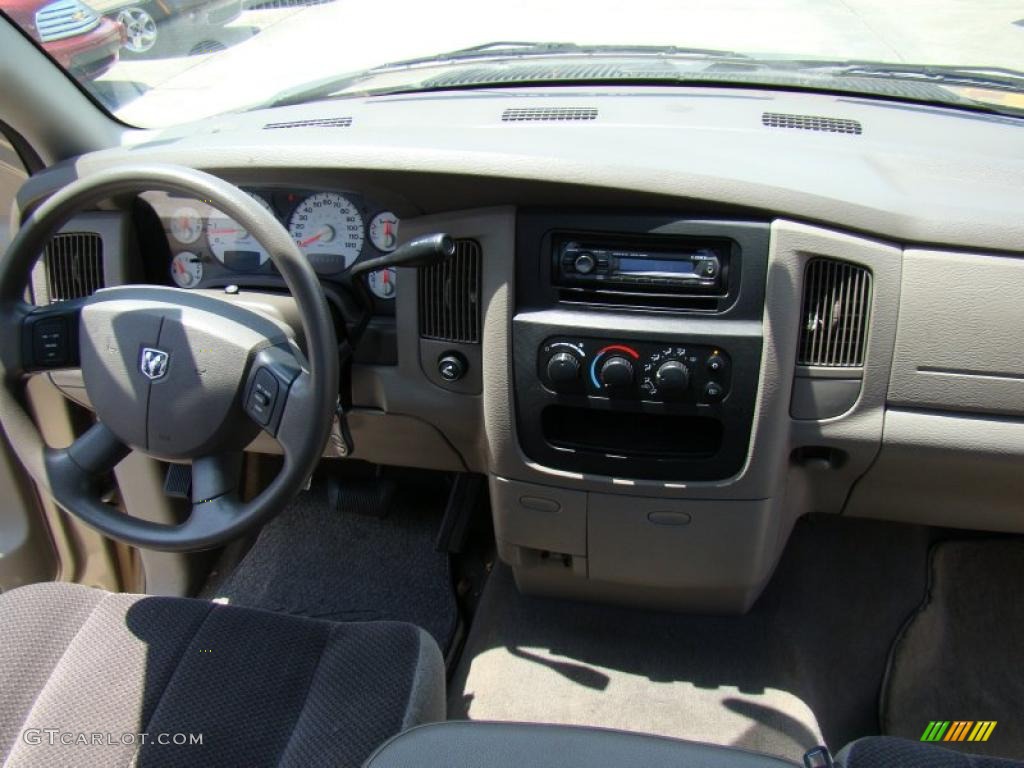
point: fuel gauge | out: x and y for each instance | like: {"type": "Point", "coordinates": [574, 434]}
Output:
{"type": "Point", "coordinates": [383, 283]}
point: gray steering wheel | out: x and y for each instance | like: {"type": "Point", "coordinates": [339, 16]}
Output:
{"type": "Point", "coordinates": [177, 375]}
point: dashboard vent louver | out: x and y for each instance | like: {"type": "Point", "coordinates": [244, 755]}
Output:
{"type": "Point", "coordinates": [449, 296]}
{"type": "Point", "coordinates": [811, 123]}
{"type": "Point", "coordinates": [557, 114]}
{"type": "Point", "coordinates": [74, 265]}
{"type": "Point", "coordinates": [328, 122]}
{"type": "Point", "coordinates": [837, 301]}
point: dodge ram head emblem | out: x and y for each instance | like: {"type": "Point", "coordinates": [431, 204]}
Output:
{"type": "Point", "coordinates": [153, 363]}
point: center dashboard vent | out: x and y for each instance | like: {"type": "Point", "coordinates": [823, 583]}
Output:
{"type": "Point", "coordinates": [74, 266]}
{"type": "Point", "coordinates": [837, 302]}
{"type": "Point", "coordinates": [549, 114]}
{"type": "Point", "coordinates": [449, 296]}
{"type": "Point", "coordinates": [329, 122]}
{"type": "Point", "coordinates": [811, 123]}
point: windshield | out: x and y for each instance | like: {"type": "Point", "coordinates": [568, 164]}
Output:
{"type": "Point", "coordinates": [161, 62]}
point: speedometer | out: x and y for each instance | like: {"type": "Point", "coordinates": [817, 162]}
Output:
{"type": "Point", "coordinates": [328, 228]}
{"type": "Point", "coordinates": [232, 245]}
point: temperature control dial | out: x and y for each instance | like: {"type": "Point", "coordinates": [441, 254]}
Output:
{"type": "Point", "coordinates": [616, 372]}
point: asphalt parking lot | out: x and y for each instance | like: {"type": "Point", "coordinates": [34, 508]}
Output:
{"type": "Point", "coordinates": [264, 51]}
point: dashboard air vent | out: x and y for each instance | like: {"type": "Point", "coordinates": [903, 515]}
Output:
{"type": "Point", "coordinates": [837, 300]}
{"type": "Point", "coordinates": [811, 123]}
{"type": "Point", "coordinates": [449, 296]}
{"type": "Point", "coordinates": [74, 265]}
{"type": "Point", "coordinates": [329, 122]}
{"type": "Point", "coordinates": [535, 114]}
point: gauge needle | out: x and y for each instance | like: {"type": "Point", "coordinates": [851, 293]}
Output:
{"type": "Point", "coordinates": [314, 238]}
{"type": "Point", "coordinates": [223, 231]}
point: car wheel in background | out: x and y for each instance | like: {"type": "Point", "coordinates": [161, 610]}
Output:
{"type": "Point", "coordinates": [140, 30]}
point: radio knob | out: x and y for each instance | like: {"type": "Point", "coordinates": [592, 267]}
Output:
{"type": "Point", "coordinates": [585, 263]}
{"type": "Point", "coordinates": [563, 369]}
{"type": "Point", "coordinates": [616, 372]}
{"type": "Point", "coordinates": [672, 378]}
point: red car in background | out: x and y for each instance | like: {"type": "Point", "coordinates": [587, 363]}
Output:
{"type": "Point", "coordinates": [82, 41]}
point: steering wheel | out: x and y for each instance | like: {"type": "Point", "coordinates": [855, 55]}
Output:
{"type": "Point", "coordinates": [177, 375]}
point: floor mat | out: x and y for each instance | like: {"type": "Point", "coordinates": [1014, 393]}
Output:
{"type": "Point", "coordinates": [805, 663]}
{"type": "Point", "coordinates": [314, 561]}
{"type": "Point", "coordinates": [959, 657]}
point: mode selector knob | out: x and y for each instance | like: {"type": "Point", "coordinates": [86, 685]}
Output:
{"type": "Point", "coordinates": [672, 377]}
{"type": "Point", "coordinates": [585, 263]}
{"type": "Point", "coordinates": [616, 372]}
{"type": "Point", "coordinates": [563, 369]}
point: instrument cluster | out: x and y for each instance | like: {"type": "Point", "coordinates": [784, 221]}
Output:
{"type": "Point", "coordinates": [333, 230]}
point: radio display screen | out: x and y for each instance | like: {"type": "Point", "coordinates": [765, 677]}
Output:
{"type": "Point", "coordinates": [633, 265]}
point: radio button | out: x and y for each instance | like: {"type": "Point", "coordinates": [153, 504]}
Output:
{"type": "Point", "coordinates": [585, 263]}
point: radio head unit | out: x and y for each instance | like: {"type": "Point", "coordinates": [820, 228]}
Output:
{"type": "Point", "coordinates": [681, 266]}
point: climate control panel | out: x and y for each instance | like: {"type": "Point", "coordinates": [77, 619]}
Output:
{"type": "Point", "coordinates": [648, 371]}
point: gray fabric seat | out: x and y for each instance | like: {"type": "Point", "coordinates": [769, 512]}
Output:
{"type": "Point", "coordinates": [892, 752]}
{"type": "Point", "coordinates": [97, 670]}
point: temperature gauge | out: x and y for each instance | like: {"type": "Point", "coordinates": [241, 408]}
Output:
{"type": "Point", "coordinates": [383, 283]}
{"type": "Point", "coordinates": [186, 225]}
{"type": "Point", "coordinates": [383, 231]}
{"type": "Point", "coordinates": [187, 269]}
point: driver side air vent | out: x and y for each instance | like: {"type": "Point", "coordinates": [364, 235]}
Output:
{"type": "Point", "coordinates": [329, 122]}
{"type": "Point", "coordinates": [74, 266]}
{"type": "Point", "coordinates": [811, 123]}
{"type": "Point", "coordinates": [449, 296]}
{"type": "Point", "coordinates": [557, 114]}
{"type": "Point", "coordinates": [837, 301]}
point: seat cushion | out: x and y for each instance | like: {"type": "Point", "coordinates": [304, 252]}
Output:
{"type": "Point", "coordinates": [468, 744]}
{"type": "Point", "coordinates": [93, 678]}
{"type": "Point", "coordinates": [891, 752]}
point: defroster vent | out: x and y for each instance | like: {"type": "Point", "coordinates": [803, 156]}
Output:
{"type": "Point", "coordinates": [547, 114]}
{"type": "Point", "coordinates": [74, 265]}
{"type": "Point", "coordinates": [449, 296]}
{"type": "Point", "coordinates": [837, 301]}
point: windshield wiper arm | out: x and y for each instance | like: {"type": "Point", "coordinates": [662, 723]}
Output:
{"type": "Point", "coordinates": [988, 77]}
{"type": "Point", "coordinates": [517, 48]}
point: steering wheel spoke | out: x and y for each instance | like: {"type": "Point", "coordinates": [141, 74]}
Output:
{"type": "Point", "coordinates": [216, 476]}
{"type": "Point", "coordinates": [97, 451]}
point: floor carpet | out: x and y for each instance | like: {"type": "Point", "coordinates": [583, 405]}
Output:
{"type": "Point", "coordinates": [959, 659]}
{"type": "Point", "coordinates": [804, 666]}
{"type": "Point", "coordinates": [317, 559]}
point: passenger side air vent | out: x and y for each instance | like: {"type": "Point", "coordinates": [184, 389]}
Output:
{"type": "Point", "coordinates": [449, 296]}
{"type": "Point", "coordinates": [330, 122]}
{"type": "Point", "coordinates": [811, 123]}
{"type": "Point", "coordinates": [837, 301]}
{"type": "Point", "coordinates": [557, 114]}
{"type": "Point", "coordinates": [74, 265]}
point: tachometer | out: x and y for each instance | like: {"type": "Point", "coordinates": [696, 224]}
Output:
{"type": "Point", "coordinates": [232, 245]}
{"type": "Point", "coordinates": [329, 230]}
{"type": "Point", "coordinates": [187, 269]}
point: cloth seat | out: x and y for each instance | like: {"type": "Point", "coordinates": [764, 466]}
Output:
{"type": "Point", "coordinates": [893, 752]}
{"type": "Point", "coordinates": [93, 678]}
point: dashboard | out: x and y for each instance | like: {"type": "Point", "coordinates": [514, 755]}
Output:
{"type": "Point", "coordinates": [333, 229]}
{"type": "Point", "coordinates": [669, 330]}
